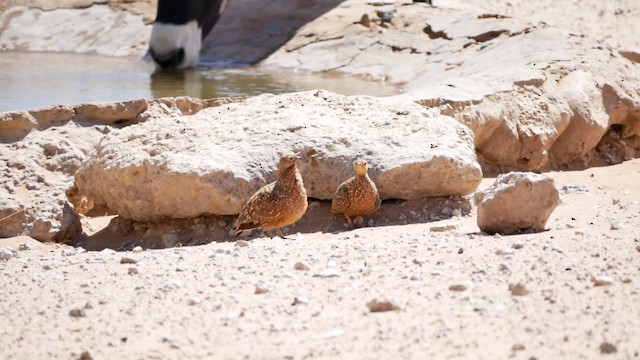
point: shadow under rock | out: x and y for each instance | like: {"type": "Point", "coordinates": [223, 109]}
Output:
{"type": "Point", "coordinates": [123, 235]}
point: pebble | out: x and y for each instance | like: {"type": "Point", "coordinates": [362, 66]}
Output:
{"type": "Point", "coordinates": [376, 305]}
{"type": "Point", "coordinates": [616, 225]}
{"type": "Point", "coordinates": [370, 223]}
{"type": "Point", "coordinates": [419, 261]}
{"type": "Point", "coordinates": [456, 212]}
{"type": "Point", "coordinates": [505, 251]}
{"type": "Point", "coordinates": [607, 348]}
{"type": "Point", "coordinates": [232, 232]}
{"type": "Point", "coordinates": [128, 260]}
{"type": "Point", "coordinates": [25, 246]}
{"type": "Point", "coordinates": [517, 347]}
{"type": "Point", "coordinates": [575, 189]}
{"type": "Point", "coordinates": [132, 271]}
{"type": "Point", "coordinates": [107, 251]}
{"type": "Point", "coordinates": [137, 249]}
{"type": "Point", "coordinates": [6, 253]}
{"type": "Point", "coordinates": [300, 300]}
{"type": "Point", "coordinates": [85, 356]}
{"type": "Point", "coordinates": [615, 200]}
{"type": "Point", "coordinates": [365, 20]}
{"type": "Point", "coordinates": [193, 301]}
{"type": "Point", "coordinates": [301, 266]}
{"type": "Point", "coordinates": [602, 281]}
{"type": "Point", "coordinates": [261, 289]}
{"type": "Point", "coordinates": [358, 221]}
{"type": "Point", "coordinates": [222, 223]}
{"type": "Point", "coordinates": [518, 289]}
{"type": "Point", "coordinates": [442, 228]}
{"type": "Point", "coordinates": [579, 231]}
{"type": "Point", "coordinates": [458, 287]}
{"type": "Point", "coordinates": [517, 244]}
{"type": "Point", "coordinates": [415, 277]}
{"type": "Point", "coordinates": [242, 243]}
{"type": "Point", "coordinates": [327, 273]}
{"type": "Point", "coordinates": [333, 333]}
{"type": "Point", "coordinates": [77, 312]}
{"type": "Point", "coordinates": [638, 248]}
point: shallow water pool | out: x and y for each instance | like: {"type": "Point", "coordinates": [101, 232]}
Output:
{"type": "Point", "coordinates": [31, 80]}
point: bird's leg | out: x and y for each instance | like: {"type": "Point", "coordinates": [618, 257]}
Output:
{"type": "Point", "coordinates": [269, 233]}
{"type": "Point", "coordinates": [280, 233]}
{"type": "Point", "coordinates": [349, 221]}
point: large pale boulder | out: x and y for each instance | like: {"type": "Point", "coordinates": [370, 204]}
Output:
{"type": "Point", "coordinates": [535, 96]}
{"type": "Point", "coordinates": [516, 201]}
{"type": "Point", "coordinates": [41, 149]}
{"type": "Point", "coordinates": [211, 162]}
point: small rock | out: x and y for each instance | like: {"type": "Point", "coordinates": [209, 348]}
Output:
{"type": "Point", "coordinates": [137, 249]}
{"type": "Point", "coordinates": [365, 20]}
{"type": "Point", "coordinates": [6, 253]}
{"type": "Point", "coordinates": [193, 301]}
{"type": "Point", "coordinates": [575, 189]}
{"type": "Point", "coordinates": [385, 15]}
{"type": "Point", "coordinates": [370, 223]}
{"type": "Point", "coordinates": [358, 221]}
{"type": "Point", "coordinates": [638, 248]}
{"type": "Point", "coordinates": [77, 312]}
{"type": "Point", "coordinates": [579, 231]}
{"type": "Point", "coordinates": [132, 271]}
{"type": "Point", "coordinates": [616, 225]}
{"type": "Point", "coordinates": [85, 356]}
{"type": "Point", "coordinates": [456, 213]}
{"type": "Point", "coordinates": [460, 251]}
{"type": "Point", "coordinates": [616, 200]}
{"type": "Point", "coordinates": [517, 244]}
{"type": "Point", "coordinates": [300, 300]}
{"type": "Point", "coordinates": [602, 281]}
{"type": "Point", "coordinates": [607, 348]}
{"type": "Point", "coordinates": [301, 266]}
{"type": "Point", "coordinates": [333, 333]}
{"type": "Point", "coordinates": [232, 232]}
{"type": "Point", "coordinates": [261, 289]}
{"type": "Point", "coordinates": [517, 347]}
{"type": "Point", "coordinates": [376, 305]}
{"type": "Point", "coordinates": [242, 243]}
{"type": "Point", "coordinates": [505, 251]}
{"type": "Point", "coordinates": [327, 273]}
{"type": "Point", "coordinates": [222, 223]}
{"type": "Point", "coordinates": [107, 251]}
{"type": "Point", "coordinates": [128, 260]}
{"type": "Point", "coordinates": [25, 246]}
{"type": "Point", "coordinates": [458, 287]}
{"type": "Point", "coordinates": [442, 228]}
{"type": "Point", "coordinates": [415, 277]}
{"type": "Point", "coordinates": [419, 261]}
{"type": "Point", "coordinates": [518, 289]}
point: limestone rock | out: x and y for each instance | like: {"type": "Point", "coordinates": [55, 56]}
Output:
{"type": "Point", "coordinates": [41, 149]}
{"type": "Point", "coordinates": [516, 201]}
{"type": "Point", "coordinates": [97, 28]}
{"type": "Point", "coordinates": [211, 162]}
{"type": "Point", "coordinates": [535, 96]}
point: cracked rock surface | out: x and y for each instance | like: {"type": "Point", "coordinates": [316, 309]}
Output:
{"type": "Point", "coordinates": [535, 96]}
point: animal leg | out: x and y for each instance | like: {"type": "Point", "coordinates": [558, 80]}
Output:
{"type": "Point", "coordinates": [280, 233]}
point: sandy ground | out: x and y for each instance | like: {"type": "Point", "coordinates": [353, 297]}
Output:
{"type": "Point", "coordinates": [200, 301]}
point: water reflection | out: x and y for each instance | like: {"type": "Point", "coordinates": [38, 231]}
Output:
{"type": "Point", "coordinates": [32, 80]}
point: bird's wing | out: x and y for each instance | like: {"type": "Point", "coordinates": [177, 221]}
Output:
{"type": "Point", "coordinates": [255, 212]}
{"type": "Point", "coordinates": [341, 200]}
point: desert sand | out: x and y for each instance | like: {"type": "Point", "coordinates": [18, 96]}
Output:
{"type": "Point", "coordinates": [440, 288]}
{"type": "Point", "coordinates": [581, 279]}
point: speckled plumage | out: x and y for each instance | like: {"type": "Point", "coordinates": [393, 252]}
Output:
{"type": "Point", "coordinates": [278, 204]}
{"type": "Point", "coordinates": [357, 196]}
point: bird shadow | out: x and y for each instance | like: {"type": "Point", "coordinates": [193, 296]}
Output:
{"type": "Point", "coordinates": [122, 234]}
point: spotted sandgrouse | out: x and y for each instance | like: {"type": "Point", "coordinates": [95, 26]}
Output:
{"type": "Point", "coordinates": [357, 196]}
{"type": "Point", "coordinates": [278, 204]}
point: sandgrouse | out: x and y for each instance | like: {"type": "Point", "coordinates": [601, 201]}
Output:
{"type": "Point", "coordinates": [275, 205]}
{"type": "Point", "coordinates": [357, 196]}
